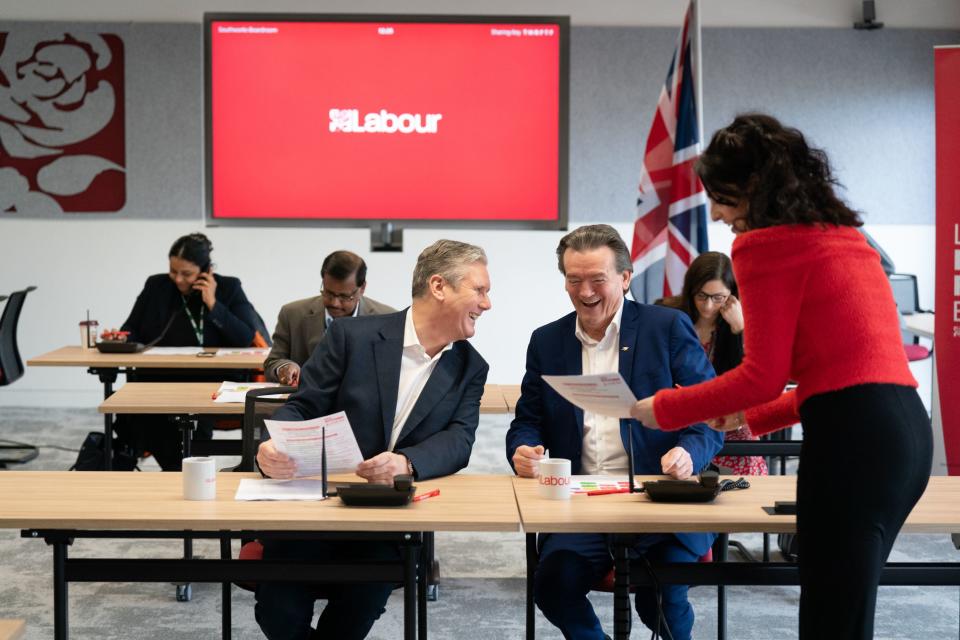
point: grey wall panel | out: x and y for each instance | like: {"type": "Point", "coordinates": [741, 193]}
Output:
{"type": "Point", "coordinates": [867, 98]}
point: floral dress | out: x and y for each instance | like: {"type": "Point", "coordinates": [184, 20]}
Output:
{"type": "Point", "coordinates": [740, 465]}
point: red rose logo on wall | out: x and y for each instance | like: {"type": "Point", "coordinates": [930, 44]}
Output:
{"type": "Point", "coordinates": [61, 123]}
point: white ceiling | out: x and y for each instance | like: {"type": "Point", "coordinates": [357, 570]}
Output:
{"type": "Point", "coordinates": [931, 14]}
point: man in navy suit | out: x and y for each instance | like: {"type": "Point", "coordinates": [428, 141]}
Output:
{"type": "Point", "coordinates": [410, 384]}
{"type": "Point", "coordinates": [652, 348]}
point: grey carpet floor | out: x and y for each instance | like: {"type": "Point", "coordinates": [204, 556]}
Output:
{"type": "Point", "coordinates": [482, 584]}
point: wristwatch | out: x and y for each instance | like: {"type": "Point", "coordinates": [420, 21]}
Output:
{"type": "Point", "coordinates": [410, 470]}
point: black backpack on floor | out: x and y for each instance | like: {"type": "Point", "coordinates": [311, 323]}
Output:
{"type": "Point", "coordinates": [92, 457]}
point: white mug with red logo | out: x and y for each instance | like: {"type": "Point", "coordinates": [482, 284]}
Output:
{"type": "Point", "coordinates": [554, 478]}
{"type": "Point", "coordinates": [199, 479]}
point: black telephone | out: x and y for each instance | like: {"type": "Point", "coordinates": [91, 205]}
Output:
{"type": "Point", "coordinates": [363, 494]}
{"type": "Point", "coordinates": [704, 489]}
{"type": "Point", "coordinates": [707, 487]}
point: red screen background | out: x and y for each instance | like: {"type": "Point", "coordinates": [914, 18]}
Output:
{"type": "Point", "coordinates": [495, 154]}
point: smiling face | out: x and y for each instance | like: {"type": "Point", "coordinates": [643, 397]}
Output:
{"type": "Point", "coordinates": [732, 212]}
{"type": "Point", "coordinates": [467, 301]}
{"type": "Point", "coordinates": [595, 287]}
{"type": "Point", "coordinates": [183, 273]}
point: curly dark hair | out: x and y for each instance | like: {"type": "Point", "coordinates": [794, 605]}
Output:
{"type": "Point", "coordinates": [782, 178]}
{"type": "Point", "coordinates": [711, 265]}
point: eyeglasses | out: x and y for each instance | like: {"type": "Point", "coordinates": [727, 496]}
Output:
{"type": "Point", "coordinates": [342, 297]}
{"type": "Point", "coordinates": [716, 298]}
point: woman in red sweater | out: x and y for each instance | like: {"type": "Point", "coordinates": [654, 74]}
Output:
{"type": "Point", "coordinates": [818, 310]}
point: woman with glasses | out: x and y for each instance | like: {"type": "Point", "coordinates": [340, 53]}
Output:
{"type": "Point", "coordinates": [819, 311]}
{"type": "Point", "coordinates": [710, 299]}
{"type": "Point", "coordinates": [189, 306]}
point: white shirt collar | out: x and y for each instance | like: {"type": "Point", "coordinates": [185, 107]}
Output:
{"type": "Point", "coordinates": [410, 338]}
{"type": "Point", "coordinates": [613, 329]}
{"type": "Point", "coordinates": [327, 318]}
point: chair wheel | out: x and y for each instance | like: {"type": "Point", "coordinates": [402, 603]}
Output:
{"type": "Point", "coordinates": [184, 592]}
{"type": "Point", "coordinates": [433, 592]}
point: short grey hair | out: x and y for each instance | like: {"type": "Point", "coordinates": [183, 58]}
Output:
{"type": "Point", "coordinates": [447, 258]}
{"type": "Point", "coordinates": [594, 236]}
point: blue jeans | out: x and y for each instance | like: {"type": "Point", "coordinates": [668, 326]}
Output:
{"type": "Point", "coordinates": [572, 563]}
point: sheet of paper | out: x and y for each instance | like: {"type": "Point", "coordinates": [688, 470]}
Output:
{"type": "Point", "coordinates": [268, 489]}
{"type": "Point", "coordinates": [250, 351]}
{"type": "Point", "coordinates": [605, 393]}
{"type": "Point", "coordinates": [301, 440]}
{"type": "Point", "coordinates": [173, 351]}
{"type": "Point", "coordinates": [237, 391]}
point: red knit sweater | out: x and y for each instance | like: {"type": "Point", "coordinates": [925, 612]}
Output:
{"type": "Point", "coordinates": [817, 309]}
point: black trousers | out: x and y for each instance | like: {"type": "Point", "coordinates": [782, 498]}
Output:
{"type": "Point", "coordinates": [865, 461]}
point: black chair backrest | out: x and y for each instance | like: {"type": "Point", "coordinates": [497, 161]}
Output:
{"type": "Point", "coordinates": [906, 294]}
{"type": "Point", "coordinates": [11, 366]}
{"type": "Point", "coordinates": [255, 409]}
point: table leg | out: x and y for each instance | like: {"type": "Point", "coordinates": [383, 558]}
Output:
{"type": "Point", "coordinates": [60, 619]}
{"type": "Point", "coordinates": [723, 541]}
{"type": "Point", "coordinates": [107, 377]}
{"type": "Point", "coordinates": [622, 615]}
{"type": "Point", "coordinates": [422, 574]}
{"type": "Point", "coordinates": [531, 570]}
{"type": "Point", "coordinates": [226, 598]}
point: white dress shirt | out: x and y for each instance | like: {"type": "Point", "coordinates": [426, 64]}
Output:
{"type": "Point", "coordinates": [603, 452]}
{"type": "Point", "coordinates": [415, 369]}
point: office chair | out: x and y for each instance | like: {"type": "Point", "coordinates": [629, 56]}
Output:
{"type": "Point", "coordinates": [907, 296]}
{"type": "Point", "coordinates": [11, 369]}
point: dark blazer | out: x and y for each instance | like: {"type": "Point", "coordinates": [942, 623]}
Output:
{"type": "Point", "coordinates": [658, 349]}
{"type": "Point", "coordinates": [357, 370]}
{"type": "Point", "coordinates": [232, 323]}
{"type": "Point", "coordinates": [300, 328]}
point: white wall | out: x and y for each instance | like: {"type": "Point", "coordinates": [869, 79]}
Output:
{"type": "Point", "coordinates": [101, 265]}
{"type": "Point", "coordinates": [924, 14]}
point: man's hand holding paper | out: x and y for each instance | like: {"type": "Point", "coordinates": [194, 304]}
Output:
{"type": "Point", "coordinates": [295, 448]}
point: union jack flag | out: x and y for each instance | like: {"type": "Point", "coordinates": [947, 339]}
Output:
{"type": "Point", "coordinates": [671, 226]}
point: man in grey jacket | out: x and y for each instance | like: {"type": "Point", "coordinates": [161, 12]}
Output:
{"type": "Point", "coordinates": [302, 324]}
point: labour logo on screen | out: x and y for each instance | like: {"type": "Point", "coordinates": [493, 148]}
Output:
{"type": "Point", "coordinates": [383, 121]}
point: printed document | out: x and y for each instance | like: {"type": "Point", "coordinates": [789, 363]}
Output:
{"type": "Point", "coordinates": [606, 394]}
{"type": "Point", "coordinates": [237, 391]}
{"type": "Point", "coordinates": [269, 489]}
{"type": "Point", "coordinates": [301, 440]}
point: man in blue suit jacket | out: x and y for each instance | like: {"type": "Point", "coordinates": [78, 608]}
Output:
{"type": "Point", "coordinates": [652, 348]}
{"type": "Point", "coordinates": [410, 384]}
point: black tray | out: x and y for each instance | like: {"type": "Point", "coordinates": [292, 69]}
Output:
{"type": "Point", "coordinates": [115, 346]}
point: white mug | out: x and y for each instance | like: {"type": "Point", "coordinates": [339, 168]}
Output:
{"type": "Point", "coordinates": [554, 479]}
{"type": "Point", "coordinates": [199, 479]}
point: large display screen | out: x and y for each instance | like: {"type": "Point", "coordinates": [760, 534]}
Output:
{"type": "Point", "coordinates": [387, 118]}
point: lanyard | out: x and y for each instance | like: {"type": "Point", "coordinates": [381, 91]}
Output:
{"type": "Point", "coordinates": [194, 322]}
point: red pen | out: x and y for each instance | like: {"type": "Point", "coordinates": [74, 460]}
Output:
{"type": "Point", "coordinates": [603, 492]}
{"type": "Point", "coordinates": [424, 496]}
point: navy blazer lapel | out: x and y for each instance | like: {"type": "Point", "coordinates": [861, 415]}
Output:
{"type": "Point", "coordinates": [438, 384]}
{"type": "Point", "coordinates": [573, 364]}
{"type": "Point", "coordinates": [387, 353]}
{"type": "Point", "coordinates": [629, 325]}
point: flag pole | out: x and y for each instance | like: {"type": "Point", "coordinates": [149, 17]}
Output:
{"type": "Point", "coordinates": [698, 87]}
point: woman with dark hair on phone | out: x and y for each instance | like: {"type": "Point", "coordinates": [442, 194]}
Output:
{"type": "Point", "coordinates": [190, 306]}
{"type": "Point", "coordinates": [818, 310]}
{"type": "Point", "coordinates": [710, 298]}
